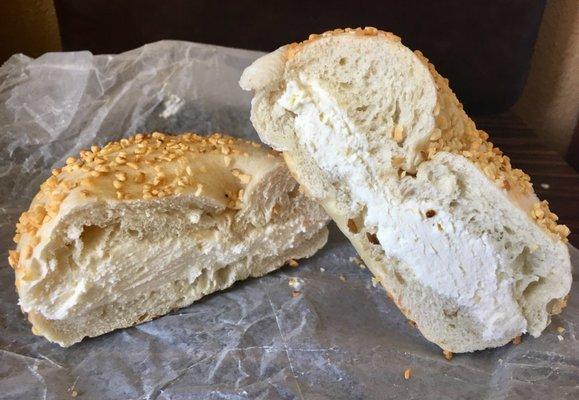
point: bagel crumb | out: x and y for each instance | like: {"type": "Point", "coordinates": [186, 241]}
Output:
{"type": "Point", "coordinates": [293, 263]}
{"type": "Point", "coordinates": [407, 373]}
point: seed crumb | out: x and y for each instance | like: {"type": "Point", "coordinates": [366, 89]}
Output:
{"type": "Point", "coordinates": [294, 283]}
{"type": "Point", "coordinates": [293, 263]}
{"type": "Point", "coordinates": [375, 281]}
{"type": "Point", "coordinates": [560, 338]}
{"type": "Point", "coordinates": [358, 261]}
{"type": "Point", "coordinates": [447, 354]}
{"type": "Point", "coordinates": [561, 330]}
{"type": "Point", "coordinates": [407, 373]}
{"type": "Point", "coordinates": [322, 269]}
{"type": "Point", "coordinates": [342, 278]}
{"type": "Point", "coordinates": [296, 293]}
{"type": "Point", "coordinates": [545, 186]}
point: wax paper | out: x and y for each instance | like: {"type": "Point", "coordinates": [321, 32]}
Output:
{"type": "Point", "coordinates": [339, 338]}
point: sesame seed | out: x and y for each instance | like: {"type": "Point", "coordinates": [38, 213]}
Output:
{"type": "Point", "coordinates": [292, 263]}
{"type": "Point", "coordinates": [102, 168]}
{"type": "Point", "coordinates": [140, 177]}
{"type": "Point", "coordinates": [352, 227]}
{"type": "Point", "coordinates": [398, 133]}
{"type": "Point", "coordinates": [199, 189]}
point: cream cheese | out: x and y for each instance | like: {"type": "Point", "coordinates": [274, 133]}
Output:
{"type": "Point", "coordinates": [444, 256]}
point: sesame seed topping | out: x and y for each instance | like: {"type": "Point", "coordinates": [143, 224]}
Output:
{"type": "Point", "coordinates": [199, 189]}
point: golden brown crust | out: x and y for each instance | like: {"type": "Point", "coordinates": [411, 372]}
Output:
{"type": "Point", "coordinates": [141, 167]}
{"type": "Point", "coordinates": [293, 48]}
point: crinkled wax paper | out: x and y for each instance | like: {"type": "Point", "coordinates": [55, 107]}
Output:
{"type": "Point", "coordinates": [340, 339]}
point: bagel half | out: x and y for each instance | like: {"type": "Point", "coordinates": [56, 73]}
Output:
{"type": "Point", "coordinates": [455, 235]}
{"type": "Point", "coordinates": [152, 223]}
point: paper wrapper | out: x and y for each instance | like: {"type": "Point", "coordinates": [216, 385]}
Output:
{"type": "Point", "coordinates": [339, 338]}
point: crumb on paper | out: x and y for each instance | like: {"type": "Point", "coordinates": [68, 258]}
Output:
{"type": "Point", "coordinates": [545, 186]}
{"type": "Point", "coordinates": [517, 340]}
{"type": "Point", "coordinates": [560, 330]}
{"type": "Point", "coordinates": [447, 354]}
{"type": "Point", "coordinates": [358, 261]}
{"type": "Point", "coordinates": [407, 373]}
{"type": "Point", "coordinates": [293, 263]}
{"type": "Point", "coordinates": [560, 338]}
{"type": "Point", "coordinates": [295, 284]}
{"type": "Point", "coordinates": [72, 389]}
{"type": "Point", "coordinates": [342, 278]}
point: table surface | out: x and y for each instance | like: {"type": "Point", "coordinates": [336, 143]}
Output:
{"type": "Point", "coordinates": [553, 179]}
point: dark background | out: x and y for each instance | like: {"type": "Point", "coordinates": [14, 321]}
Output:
{"type": "Point", "coordinates": [483, 47]}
